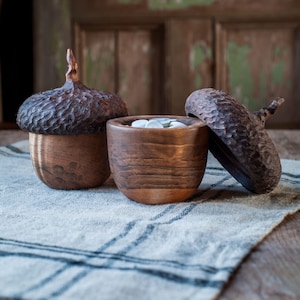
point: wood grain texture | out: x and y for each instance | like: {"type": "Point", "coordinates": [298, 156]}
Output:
{"type": "Point", "coordinates": [157, 165]}
{"type": "Point", "coordinates": [70, 162]}
{"type": "Point", "coordinates": [189, 52]}
{"type": "Point", "coordinates": [97, 58]}
{"type": "Point", "coordinates": [140, 69]}
{"type": "Point", "coordinates": [256, 62]}
{"type": "Point", "coordinates": [51, 19]}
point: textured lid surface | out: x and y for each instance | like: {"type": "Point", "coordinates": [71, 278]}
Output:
{"type": "Point", "coordinates": [71, 109]}
{"type": "Point", "coordinates": [238, 138]}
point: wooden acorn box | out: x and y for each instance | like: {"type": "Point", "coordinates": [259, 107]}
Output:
{"type": "Point", "coordinates": [67, 132]}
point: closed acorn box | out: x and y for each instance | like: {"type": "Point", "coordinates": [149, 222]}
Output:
{"type": "Point", "coordinates": [67, 132]}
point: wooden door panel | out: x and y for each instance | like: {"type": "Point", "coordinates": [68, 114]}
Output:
{"type": "Point", "coordinates": [190, 60]}
{"type": "Point", "coordinates": [123, 60]}
{"type": "Point", "coordinates": [139, 64]}
{"type": "Point", "coordinates": [257, 63]}
{"type": "Point", "coordinates": [98, 60]}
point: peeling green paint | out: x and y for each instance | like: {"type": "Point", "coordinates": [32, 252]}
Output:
{"type": "Point", "coordinates": [239, 72]}
{"type": "Point", "coordinates": [278, 69]}
{"type": "Point", "coordinates": [59, 53]}
{"type": "Point", "coordinates": [262, 86]}
{"type": "Point", "coordinates": [175, 4]}
{"type": "Point", "coordinates": [198, 81]}
{"type": "Point", "coordinates": [95, 68]}
{"type": "Point", "coordinates": [198, 56]}
{"type": "Point", "coordinates": [59, 41]}
{"type": "Point", "coordinates": [278, 51]}
{"type": "Point", "coordinates": [200, 52]}
{"type": "Point", "coordinates": [65, 9]}
{"type": "Point", "coordinates": [277, 73]}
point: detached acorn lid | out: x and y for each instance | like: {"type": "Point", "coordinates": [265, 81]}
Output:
{"type": "Point", "coordinates": [238, 138]}
{"type": "Point", "coordinates": [71, 109]}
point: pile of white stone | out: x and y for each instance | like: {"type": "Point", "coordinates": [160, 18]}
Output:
{"type": "Point", "coordinates": [157, 123]}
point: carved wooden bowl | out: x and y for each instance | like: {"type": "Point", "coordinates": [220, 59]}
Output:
{"type": "Point", "coordinates": [157, 165]}
{"type": "Point", "coordinates": [70, 162]}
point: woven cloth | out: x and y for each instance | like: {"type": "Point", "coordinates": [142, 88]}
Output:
{"type": "Point", "coordinates": [98, 244]}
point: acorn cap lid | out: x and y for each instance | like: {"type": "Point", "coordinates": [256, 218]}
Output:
{"type": "Point", "coordinates": [71, 109]}
{"type": "Point", "coordinates": [238, 138]}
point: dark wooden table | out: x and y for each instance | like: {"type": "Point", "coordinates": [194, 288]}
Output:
{"type": "Point", "coordinates": [272, 269]}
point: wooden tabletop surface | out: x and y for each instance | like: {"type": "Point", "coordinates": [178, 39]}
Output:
{"type": "Point", "coordinates": [272, 269]}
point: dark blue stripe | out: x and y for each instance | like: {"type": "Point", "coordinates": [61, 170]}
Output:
{"type": "Point", "coordinates": [105, 255]}
{"type": "Point", "coordinates": [290, 175]}
{"type": "Point", "coordinates": [4, 153]}
{"type": "Point", "coordinates": [16, 149]}
{"type": "Point", "coordinates": [171, 276]}
{"type": "Point", "coordinates": [48, 279]}
{"type": "Point", "coordinates": [164, 212]}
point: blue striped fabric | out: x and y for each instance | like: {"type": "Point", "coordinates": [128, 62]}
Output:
{"type": "Point", "coordinates": [97, 244]}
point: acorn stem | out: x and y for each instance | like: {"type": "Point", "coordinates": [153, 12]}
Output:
{"type": "Point", "coordinates": [265, 113]}
{"type": "Point", "coordinates": [71, 74]}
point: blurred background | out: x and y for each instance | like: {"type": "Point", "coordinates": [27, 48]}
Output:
{"type": "Point", "coordinates": [154, 53]}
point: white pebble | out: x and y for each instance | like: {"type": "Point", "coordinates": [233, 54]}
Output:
{"type": "Point", "coordinates": [157, 123]}
{"type": "Point", "coordinates": [154, 124]}
{"type": "Point", "coordinates": [176, 124]}
{"type": "Point", "coordinates": [139, 123]}
{"type": "Point", "coordinates": [164, 121]}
